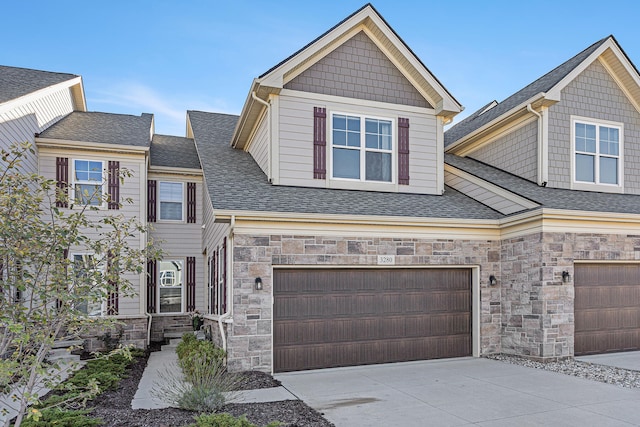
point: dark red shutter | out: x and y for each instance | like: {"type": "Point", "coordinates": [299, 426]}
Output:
{"type": "Point", "coordinates": [191, 283]}
{"type": "Point", "coordinates": [213, 308]}
{"type": "Point", "coordinates": [319, 143]}
{"type": "Point", "coordinates": [403, 151]}
{"type": "Point", "coordinates": [112, 299]}
{"type": "Point", "coordinates": [151, 200]}
{"type": "Point", "coordinates": [62, 184]}
{"type": "Point", "coordinates": [223, 293]}
{"type": "Point", "coordinates": [114, 185]}
{"type": "Point", "coordinates": [152, 275]}
{"type": "Point", "coordinates": [191, 202]}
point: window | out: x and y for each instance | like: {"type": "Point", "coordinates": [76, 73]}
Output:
{"type": "Point", "coordinates": [362, 148]}
{"type": "Point", "coordinates": [170, 279]}
{"type": "Point", "coordinates": [88, 182]}
{"type": "Point", "coordinates": [597, 150]}
{"type": "Point", "coordinates": [84, 272]}
{"type": "Point", "coordinates": [171, 197]}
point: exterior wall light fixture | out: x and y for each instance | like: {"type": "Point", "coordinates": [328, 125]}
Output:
{"type": "Point", "coordinates": [565, 276]}
{"type": "Point", "coordinates": [258, 284]}
{"type": "Point", "coordinates": [492, 280]}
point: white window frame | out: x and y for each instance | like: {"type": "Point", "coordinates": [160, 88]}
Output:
{"type": "Point", "coordinates": [100, 267]}
{"type": "Point", "coordinates": [597, 185]}
{"type": "Point", "coordinates": [183, 285]}
{"type": "Point", "coordinates": [363, 149]}
{"type": "Point", "coordinates": [75, 181]}
{"type": "Point", "coordinates": [183, 202]}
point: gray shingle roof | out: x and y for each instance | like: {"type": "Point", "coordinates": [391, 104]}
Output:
{"type": "Point", "coordinates": [555, 198]}
{"type": "Point", "coordinates": [16, 82]}
{"type": "Point", "coordinates": [236, 182]}
{"type": "Point", "coordinates": [543, 84]}
{"type": "Point", "coordinates": [174, 151]}
{"type": "Point", "coordinates": [105, 128]}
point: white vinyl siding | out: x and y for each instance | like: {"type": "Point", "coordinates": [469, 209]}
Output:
{"type": "Point", "coordinates": [19, 124]}
{"type": "Point", "coordinates": [259, 148]}
{"type": "Point", "coordinates": [296, 144]}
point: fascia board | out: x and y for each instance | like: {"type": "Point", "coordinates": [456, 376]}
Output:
{"type": "Point", "coordinates": [497, 121]}
{"type": "Point", "coordinates": [555, 91]}
{"type": "Point", "coordinates": [90, 146]}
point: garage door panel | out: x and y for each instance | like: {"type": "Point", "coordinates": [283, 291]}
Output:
{"type": "Point", "coordinates": [607, 308]}
{"type": "Point", "coordinates": [369, 316]}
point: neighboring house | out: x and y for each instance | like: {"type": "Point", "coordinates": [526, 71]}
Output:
{"type": "Point", "coordinates": [568, 142]}
{"type": "Point", "coordinates": [33, 100]}
{"type": "Point", "coordinates": [334, 222]}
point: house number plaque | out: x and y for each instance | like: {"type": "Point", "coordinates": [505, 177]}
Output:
{"type": "Point", "coordinates": [386, 259]}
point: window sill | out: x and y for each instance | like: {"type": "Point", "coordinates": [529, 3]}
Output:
{"type": "Point", "coordinates": [346, 184]}
{"type": "Point", "coordinates": [601, 188]}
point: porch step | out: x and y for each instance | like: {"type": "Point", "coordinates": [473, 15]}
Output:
{"type": "Point", "coordinates": [67, 343]}
{"type": "Point", "coordinates": [62, 355]}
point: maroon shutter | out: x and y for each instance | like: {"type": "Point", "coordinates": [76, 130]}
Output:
{"type": "Point", "coordinates": [223, 293]}
{"type": "Point", "coordinates": [214, 291]}
{"type": "Point", "coordinates": [62, 184]}
{"type": "Point", "coordinates": [114, 185]}
{"type": "Point", "coordinates": [151, 200]}
{"type": "Point", "coordinates": [403, 151]}
{"type": "Point", "coordinates": [63, 287]}
{"type": "Point", "coordinates": [152, 275]}
{"type": "Point", "coordinates": [112, 299]}
{"type": "Point", "coordinates": [191, 283]}
{"type": "Point", "coordinates": [191, 202]}
{"type": "Point", "coordinates": [319, 143]}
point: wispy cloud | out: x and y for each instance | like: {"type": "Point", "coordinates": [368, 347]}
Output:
{"type": "Point", "coordinates": [169, 109]}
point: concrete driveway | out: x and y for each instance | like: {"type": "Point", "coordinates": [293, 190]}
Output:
{"type": "Point", "coordinates": [461, 392]}
{"type": "Point", "coordinates": [625, 360]}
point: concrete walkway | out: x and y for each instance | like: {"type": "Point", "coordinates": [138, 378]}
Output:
{"type": "Point", "coordinates": [625, 360]}
{"type": "Point", "coordinates": [163, 362]}
{"type": "Point", "coordinates": [461, 392]}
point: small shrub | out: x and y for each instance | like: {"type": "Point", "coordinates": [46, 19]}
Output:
{"type": "Point", "coordinates": [205, 390]}
{"type": "Point", "coordinates": [226, 420]}
{"type": "Point", "coordinates": [61, 418]}
{"type": "Point", "coordinates": [193, 353]}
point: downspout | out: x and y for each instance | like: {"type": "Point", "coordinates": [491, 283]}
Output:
{"type": "Point", "coordinates": [149, 318]}
{"type": "Point", "coordinates": [227, 315]}
{"type": "Point", "coordinates": [268, 105]}
{"type": "Point", "coordinates": [542, 175]}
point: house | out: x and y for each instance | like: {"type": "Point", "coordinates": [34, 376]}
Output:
{"type": "Point", "coordinates": [335, 222]}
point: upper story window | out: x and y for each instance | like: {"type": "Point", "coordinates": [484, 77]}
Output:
{"type": "Point", "coordinates": [88, 182]}
{"type": "Point", "coordinates": [362, 148]}
{"type": "Point", "coordinates": [598, 152]}
{"type": "Point", "coordinates": [171, 196]}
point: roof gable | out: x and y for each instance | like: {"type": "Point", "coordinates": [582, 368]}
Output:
{"type": "Point", "coordinates": [17, 82]}
{"type": "Point", "coordinates": [368, 21]}
{"type": "Point", "coordinates": [359, 69]}
{"type": "Point", "coordinates": [547, 90]}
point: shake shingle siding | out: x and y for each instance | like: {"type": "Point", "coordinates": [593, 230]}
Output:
{"type": "Point", "coordinates": [236, 182]}
{"type": "Point", "coordinates": [358, 69]}
{"type": "Point", "coordinates": [516, 152]}
{"type": "Point", "coordinates": [593, 94]}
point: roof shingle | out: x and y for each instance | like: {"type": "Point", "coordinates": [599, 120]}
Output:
{"type": "Point", "coordinates": [104, 128]}
{"type": "Point", "coordinates": [174, 151]}
{"type": "Point", "coordinates": [16, 82]}
{"type": "Point", "coordinates": [236, 182]}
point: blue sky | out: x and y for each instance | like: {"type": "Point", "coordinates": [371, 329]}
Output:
{"type": "Point", "coordinates": [165, 57]}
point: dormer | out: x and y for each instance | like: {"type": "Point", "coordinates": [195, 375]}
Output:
{"type": "Point", "coordinates": [354, 109]}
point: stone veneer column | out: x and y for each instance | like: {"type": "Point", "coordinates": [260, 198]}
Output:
{"type": "Point", "coordinates": [250, 335]}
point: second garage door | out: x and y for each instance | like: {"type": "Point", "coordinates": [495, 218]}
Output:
{"type": "Point", "coordinates": [329, 318]}
{"type": "Point", "coordinates": [607, 308]}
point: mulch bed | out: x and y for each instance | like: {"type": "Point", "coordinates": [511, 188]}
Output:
{"type": "Point", "coordinates": [114, 407]}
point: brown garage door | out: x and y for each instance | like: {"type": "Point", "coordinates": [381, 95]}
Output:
{"type": "Point", "coordinates": [607, 308]}
{"type": "Point", "coordinates": [329, 318]}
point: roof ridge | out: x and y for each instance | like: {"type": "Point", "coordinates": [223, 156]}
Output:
{"type": "Point", "coordinates": [40, 71]}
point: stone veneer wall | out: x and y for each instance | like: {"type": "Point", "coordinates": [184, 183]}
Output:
{"type": "Point", "coordinates": [250, 335]}
{"type": "Point", "coordinates": [134, 332]}
{"type": "Point", "coordinates": [537, 307]}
